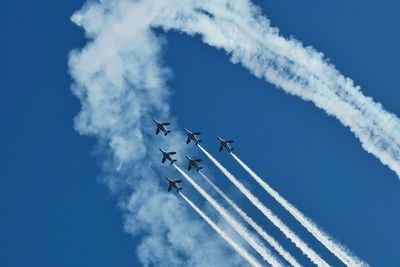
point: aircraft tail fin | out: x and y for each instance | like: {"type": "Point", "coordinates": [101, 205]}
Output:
{"type": "Point", "coordinates": [198, 169]}
{"type": "Point", "coordinates": [179, 189]}
{"type": "Point", "coordinates": [167, 132]}
{"type": "Point", "coordinates": [173, 161]}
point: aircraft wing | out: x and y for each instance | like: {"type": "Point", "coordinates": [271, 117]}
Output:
{"type": "Point", "coordinates": [198, 160]}
{"type": "Point", "coordinates": [197, 133]}
{"type": "Point", "coordinates": [165, 123]}
{"type": "Point", "coordinates": [188, 140]}
{"type": "Point", "coordinates": [171, 153]}
{"type": "Point", "coordinates": [229, 141]}
{"type": "Point", "coordinates": [220, 148]}
{"type": "Point", "coordinates": [178, 181]}
{"type": "Point", "coordinates": [157, 131]}
{"type": "Point", "coordinates": [189, 167]}
{"type": "Point", "coordinates": [163, 160]}
{"type": "Point", "coordinates": [169, 188]}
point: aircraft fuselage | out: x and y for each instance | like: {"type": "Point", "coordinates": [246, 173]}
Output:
{"type": "Point", "coordinates": [192, 136]}
{"type": "Point", "coordinates": [193, 163]}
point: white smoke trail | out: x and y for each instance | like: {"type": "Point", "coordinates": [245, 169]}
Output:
{"type": "Point", "coordinates": [285, 254]}
{"type": "Point", "coordinates": [238, 227]}
{"type": "Point", "coordinates": [310, 253]}
{"type": "Point", "coordinates": [239, 28]}
{"type": "Point", "coordinates": [120, 80]}
{"type": "Point", "coordinates": [343, 254]}
{"type": "Point", "coordinates": [242, 252]}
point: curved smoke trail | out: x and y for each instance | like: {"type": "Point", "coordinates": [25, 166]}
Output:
{"type": "Point", "coordinates": [238, 27]}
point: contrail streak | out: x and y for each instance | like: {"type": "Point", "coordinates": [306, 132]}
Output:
{"type": "Point", "coordinates": [239, 28]}
{"type": "Point", "coordinates": [327, 241]}
{"type": "Point", "coordinates": [285, 254]}
{"type": "Point", "coordinates": [238, 227]}
{"type": "Point", "coordinates": [310, 253]}
{"type": "Point", "coordinates": [242, 252]}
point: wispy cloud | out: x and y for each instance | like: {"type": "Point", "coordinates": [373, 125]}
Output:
{"type": "Point", "coordinates": [120, 80]}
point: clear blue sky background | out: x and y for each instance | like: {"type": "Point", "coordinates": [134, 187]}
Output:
{"type": "Point", "coordinates": [53, 211]}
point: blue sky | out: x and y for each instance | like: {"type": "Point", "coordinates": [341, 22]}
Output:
{"type": "Point", "coordinates": [54, 212]}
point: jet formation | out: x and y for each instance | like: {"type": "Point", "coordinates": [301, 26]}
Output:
{"type": "Point", "coordinates": [193, 163]}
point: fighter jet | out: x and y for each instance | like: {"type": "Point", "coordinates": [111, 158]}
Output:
{"type": "Point", "coordinates": [192, 136]}
{"type": "Point", "coordinates": [167, 155]}
{"type": "Point", "coordinates": [161, 127]}
{"type": "Point", "coordinates": [225, 144]}
{"type": "Point", "coordinates": [173, 184]}
{"type": "Point", "coordinates": [194, 163]}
